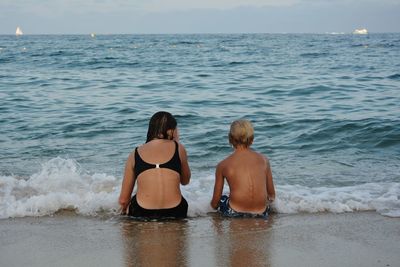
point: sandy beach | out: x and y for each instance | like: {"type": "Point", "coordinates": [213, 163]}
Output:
{"type": "Point", "coordinates": [350, 239]}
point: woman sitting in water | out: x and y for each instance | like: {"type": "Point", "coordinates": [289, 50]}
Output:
{"type": "Point", "coordinates": [159, 167]}
{"type": "Point", "coordinates": [248, 174]}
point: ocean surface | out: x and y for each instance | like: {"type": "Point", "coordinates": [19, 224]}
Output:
{"type": "Point", "coordinates": [326, 112]}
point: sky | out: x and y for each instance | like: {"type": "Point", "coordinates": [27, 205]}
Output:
{"type": "Point", "coordinates": [197, 16]}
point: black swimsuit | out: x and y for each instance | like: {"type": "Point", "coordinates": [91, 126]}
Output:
{"type": "Point", "coordinates": [178, 212]}
{"type": "Point", "coordinates": [173, 164]}
{"type": "Point", "coordinates": [136, 210]}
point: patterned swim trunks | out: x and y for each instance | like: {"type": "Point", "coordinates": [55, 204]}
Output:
{"type": "Point", "coordinates": [227, 211]}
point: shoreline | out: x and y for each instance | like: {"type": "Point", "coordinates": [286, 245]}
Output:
{"type": "Point", "coordinates": [323, 239]}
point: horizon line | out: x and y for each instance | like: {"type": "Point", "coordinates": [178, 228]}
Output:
{"type": "Point", "coordinates": [192, 33]}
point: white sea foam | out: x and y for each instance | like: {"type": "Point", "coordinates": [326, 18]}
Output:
{"type": "Point", "coordinates": [62, 184]}
{"type": "Point", "coordinates": [380, 197]}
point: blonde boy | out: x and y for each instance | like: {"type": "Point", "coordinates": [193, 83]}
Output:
{"type": "Point", "coordinates": [248, 174]}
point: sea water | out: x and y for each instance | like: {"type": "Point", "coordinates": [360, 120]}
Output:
{"type": "Point", "coordinates": [325, 110]}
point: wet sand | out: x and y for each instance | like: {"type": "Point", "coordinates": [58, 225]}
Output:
{"type": "Point", "coordinates": [351, 239]}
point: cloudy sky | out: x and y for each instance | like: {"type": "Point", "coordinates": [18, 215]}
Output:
{"type": "Point", "coordinates": [198, 16]}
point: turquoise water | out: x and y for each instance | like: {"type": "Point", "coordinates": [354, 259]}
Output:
{"type": "Point", "coordinates": [325, 110]}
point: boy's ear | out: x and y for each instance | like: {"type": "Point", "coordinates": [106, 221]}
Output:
{"type": "Point", "coordinates": [251, 140]}
{"type": "Point", "coordinates": [230, 140]}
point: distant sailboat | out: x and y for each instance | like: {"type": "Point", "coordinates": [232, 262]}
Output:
{"type": "Point", "coordinates": [360, 31]}
{"type": "Point", "coordinates": [18, 31]}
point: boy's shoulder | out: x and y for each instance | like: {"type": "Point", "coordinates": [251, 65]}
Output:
{"type": "Point", "coordinates": [260, 158]}
{"type": "Point", "coordinates": [226, 161]}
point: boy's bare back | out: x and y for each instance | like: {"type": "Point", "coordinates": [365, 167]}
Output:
{"type": "Point", "coordinates": [249, 177]}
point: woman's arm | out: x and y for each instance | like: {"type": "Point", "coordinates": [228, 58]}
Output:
{"type": "Point", "coordinates": [185, 172]}
{"type": "Point", "coordinates": [218, 186]}
{"type": "Point", "coordinates": [127, 184]}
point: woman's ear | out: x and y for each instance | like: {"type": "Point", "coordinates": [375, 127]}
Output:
{"type": "Point", "coordinates": [170, 134]}
{"type": "Point", "coordinates": [176, 134]}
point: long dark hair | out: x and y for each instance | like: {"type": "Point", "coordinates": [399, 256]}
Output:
{"type": "Point", "coordinates": [159, 125]}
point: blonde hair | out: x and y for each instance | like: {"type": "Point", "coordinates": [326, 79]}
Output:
{"type": "Point", "coordinates": [241, 133]}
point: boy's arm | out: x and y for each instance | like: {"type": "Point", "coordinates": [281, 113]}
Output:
{"type": "Point", "coordinates": [218, 186]}
{"type": "Point", "coordinates": [270, 183]}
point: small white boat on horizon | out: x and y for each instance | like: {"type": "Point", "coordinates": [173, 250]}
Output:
{"type": "Point", "coordinates": [360, 31]}
{"type": "Point", "coordinates": [18, 31]}
{"type": "Point", "coordinates": [335, 33]}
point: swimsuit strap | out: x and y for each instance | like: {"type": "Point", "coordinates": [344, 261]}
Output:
{"type": "Point", "coordinates": [173, 164]}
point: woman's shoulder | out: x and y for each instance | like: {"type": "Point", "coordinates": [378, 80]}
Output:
{"type": "Point", "coordinates": [136, 148]}
{"type": "Point", "coordinates": [181, 149]}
